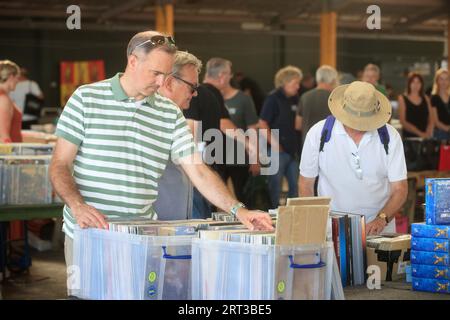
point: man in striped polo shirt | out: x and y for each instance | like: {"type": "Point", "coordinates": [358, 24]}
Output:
{"type": "Point", "coordinates": [118, 135]}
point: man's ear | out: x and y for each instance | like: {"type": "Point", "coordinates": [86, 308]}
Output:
{"type": "Point", "coordinates": [133, 61]}
{"type": "Point", "coordinates": [168, 83]}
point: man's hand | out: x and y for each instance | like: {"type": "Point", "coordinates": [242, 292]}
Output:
{"type": "Point", "coordinates": [375, 227]}
{"type": "Point", "coordinates": [255, 220]}
{"type": "Point", "coordinates": [87, 216]}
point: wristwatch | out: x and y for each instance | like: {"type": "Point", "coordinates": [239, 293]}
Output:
{"type": "Point", "coordinates": [383, 216]}
{"type": "Point", "coordinates": [235, 208]}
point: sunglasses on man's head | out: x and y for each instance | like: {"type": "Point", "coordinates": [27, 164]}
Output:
{"type": "Point", "coordinates": [158, 41]}
{"type": "Point", "coordinates": [194, 87]}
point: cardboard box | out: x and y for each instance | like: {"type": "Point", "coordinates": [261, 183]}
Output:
{"type": "Point", "coordinates": [298, 225]}
{"type": "Point", "coordinates": [306, 201]}
{"type": "Point", "coordinates": [391, 253]}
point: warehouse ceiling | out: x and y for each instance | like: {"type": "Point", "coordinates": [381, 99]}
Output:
{"type": "Point", "coordinates": [413, 18]}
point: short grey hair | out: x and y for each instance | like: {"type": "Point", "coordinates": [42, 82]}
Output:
{"type": "Point", "coordinates": [215, 66]}
{"type": "Point", "coordinates": [326, 74]}
{"type": "Point", "coordinates": [372, 67]}
{"type": "Point", "coordinates": [286, 74]}
{"type": "Point", "coordinates": [184, 58]}
{"type": "Point", "coordinates": [141, 37]}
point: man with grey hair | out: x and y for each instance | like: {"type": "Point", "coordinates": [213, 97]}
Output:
{"type": "Point", "coordinates": [243, 115]}
{"type": "Point", "coordinates": [175, 189]}
{"type": "Point", "coordinates": [313, 105]}
{"type": "Point", "coordinates": [371, 74]}
{"type": "Point", "coordinates": [118, 135]}
{"type": "Point", "coordinates": [209, 110]}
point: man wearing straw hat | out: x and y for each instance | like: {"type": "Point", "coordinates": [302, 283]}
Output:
{"type": "Point", "coordinates": [357, 157]}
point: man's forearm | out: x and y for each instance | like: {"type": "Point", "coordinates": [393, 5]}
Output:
{"type": "Point", "coordinates": [64, 185]}
{"type": "Point", "coordinates": [213, 188]}
{"type": "Point", "coordinates": [306, 186]}
{"type": "Point", "coordinates": [394, 204]}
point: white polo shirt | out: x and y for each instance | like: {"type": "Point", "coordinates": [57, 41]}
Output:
{"type": "Point", "coordinates": [337, 169]}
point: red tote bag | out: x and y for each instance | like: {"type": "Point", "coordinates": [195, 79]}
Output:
{"type": "Point", "coordinates": [444, 159]}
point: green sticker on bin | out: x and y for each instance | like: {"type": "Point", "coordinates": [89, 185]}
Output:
{"type": "Point", "coordinates": [152, 276]}
{"type": "Point", "coordinates": [281, 286]}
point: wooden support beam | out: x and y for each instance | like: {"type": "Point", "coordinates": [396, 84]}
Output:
{"type": "Point", "coordinates": [448, 42]}
{"type": "Point", "coordinates": [160, 21]}
{"type": "Point", "coordinates": [169, 15]}
{"type": "Point", "coordinates": [328, 36]}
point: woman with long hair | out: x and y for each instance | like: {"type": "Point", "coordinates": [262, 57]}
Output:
{"type": "Point", "coordinates": [441, 104]}
{"type": "Point", "coordinates": [415, 109]}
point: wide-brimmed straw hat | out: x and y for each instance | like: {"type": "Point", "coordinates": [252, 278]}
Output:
{"type": "Point", "coordinates": [360, 106]}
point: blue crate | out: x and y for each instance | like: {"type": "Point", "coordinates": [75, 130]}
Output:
{"type": "Point", "coordinates": [430, 272]}
{"type": "Point", "coordinates": [437, 201]}
{"type": "Point", "coordinates": [430, 244]}
{"type": "Point", "coordinates": [431, 285]}
{"type": "Point", "coordinates": [429, 258]}
{"type": "Point", "coordinates": [423, 230]}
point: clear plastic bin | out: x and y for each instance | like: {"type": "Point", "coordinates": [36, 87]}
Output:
{"type": "Point", "coordinates": [26, 149]}
{"type": "Point", "coordinates": [122, 266]}
{"type": "Point", "coordinates": [25, 180]}
{"type": "Point", "coordinates": [239, 271]}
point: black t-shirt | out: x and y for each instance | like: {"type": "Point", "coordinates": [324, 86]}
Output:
{"type": "Point", "coordinates": [208, 107]}
{"type": "Point", "coordinates": [443, 109]}
{"type": "Point", "coordinates": [416, 115]}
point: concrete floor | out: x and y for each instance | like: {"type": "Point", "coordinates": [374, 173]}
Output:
{"type": "Point", "coordinates": [47, 280]}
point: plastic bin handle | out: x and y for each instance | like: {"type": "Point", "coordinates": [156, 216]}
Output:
{"type": "Point", "coordinates": [168, 256]}
{"type": "Point", "coordinates": [305, 266]}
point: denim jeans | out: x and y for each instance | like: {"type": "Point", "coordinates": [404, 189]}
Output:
{"type": "Point", "coordinates": [441, 134]}
{"type": "Point", "coordinates": [201, 208]}
{"type": "Point", "coordinates": [288, 167]}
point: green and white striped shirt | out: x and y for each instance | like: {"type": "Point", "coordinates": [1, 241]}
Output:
{"type": "Point", "coordinates": [123, 147]}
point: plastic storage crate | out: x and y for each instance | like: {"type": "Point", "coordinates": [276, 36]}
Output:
{"type": "Point", "coordinates": [26, 149]}
{"type": "Point", "coordinates": [240, 271]}
{"type": "Point", "coordinates": [120, 266]}
{"type": "Point", "coordinates": [25, 180]}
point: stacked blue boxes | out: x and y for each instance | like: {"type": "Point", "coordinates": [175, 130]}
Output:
{"type": "Point", "coordinates": [430, 244]}
{"type": "Point", "coordinates": [437, 201]}
{"type": "Point", "coordinates": [430, 268]}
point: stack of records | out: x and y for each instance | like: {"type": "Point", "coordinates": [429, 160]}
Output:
{"type": "Point", "coordinates": [25, 180]}
{"type": "Point", "coordinates": [349, 239]}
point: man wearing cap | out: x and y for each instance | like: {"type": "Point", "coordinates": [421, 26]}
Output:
{"type": "Point", "coordinates": [118, 135]}
{"type": "Point", "coordinates": [358, 159]}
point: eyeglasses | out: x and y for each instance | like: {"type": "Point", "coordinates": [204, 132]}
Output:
{"type": "Point", "coordinates": [359, 173]}
{"type": "Point", "coordinates": [194, 87]}
{"type": "Point", "coordinates": [158, 41]}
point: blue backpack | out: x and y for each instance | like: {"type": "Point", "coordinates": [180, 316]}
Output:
{"type": "Point", "coordinates": [328, 127]}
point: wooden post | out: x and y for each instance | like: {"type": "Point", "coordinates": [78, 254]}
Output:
{"type": "Point", "coordinates": [328, 29]}
{"type": "Point", "coordinates": [160, 19]}
{"type": "Point", "coordinates": [168, 8]}
{"type": "Point", "coordinates": [448, 41]}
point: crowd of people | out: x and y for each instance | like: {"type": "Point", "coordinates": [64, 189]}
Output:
{"type": "Point", "coordinates": [144, 143]}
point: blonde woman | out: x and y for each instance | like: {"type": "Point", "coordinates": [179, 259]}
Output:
{"type": "Point", "coordinates": [10, 116]}
{"type": "Point", "coordinates": [279, 113]}
{"type": "Point", "coordinates": [440, 103]}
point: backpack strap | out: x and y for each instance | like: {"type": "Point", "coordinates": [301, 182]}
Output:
{"type": "Point", "coordinates": [326, 131]}
{"type": "Point", "coordinates": [384, 137]}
